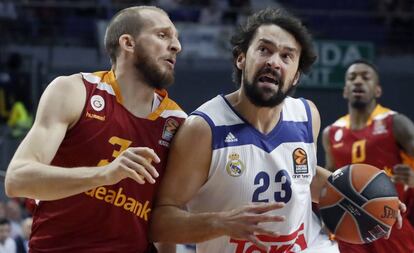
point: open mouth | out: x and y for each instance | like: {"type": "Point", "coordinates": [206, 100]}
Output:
{"type": "Point", "coordinates": [358, 91]}
{"type": "Point", "coordinates": [268, 79]}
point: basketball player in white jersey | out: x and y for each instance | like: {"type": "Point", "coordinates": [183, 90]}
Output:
{"type": "Point", "coordinates": [242, 170]}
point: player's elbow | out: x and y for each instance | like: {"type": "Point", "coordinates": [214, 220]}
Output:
{"type": "Point", "coordinates": [12, 183]}
{"type": "Point", "coordinates": [157, 229]}
{"type": "Point", "coordinates": [11, 187]}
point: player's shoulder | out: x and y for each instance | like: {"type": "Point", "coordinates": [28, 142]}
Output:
{"type": "Point", "coordinates": [66, 84]}
{"type": "Point", "coordinates": [67, 91]}
{"type": "Point", "coordinates": [195, 128]}
{"type": "Point", "coordinates": [64, 99]}
{"type": "Point", "coordinates": [313, 108]}
{"type": "Point", "coordinates": [399, 118]}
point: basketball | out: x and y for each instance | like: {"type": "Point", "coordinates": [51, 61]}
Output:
{"type": "Point", "coordinates": [359, 204]}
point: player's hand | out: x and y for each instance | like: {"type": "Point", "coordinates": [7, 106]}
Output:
{"type": "Point", "coordinates": [402, 208]}
{"type": "Point", "coordinates": [403, 174]}
{"type": "Point", "coordinates": [135, 163]}
{"type": "Point", "coordinates": [244, 222]}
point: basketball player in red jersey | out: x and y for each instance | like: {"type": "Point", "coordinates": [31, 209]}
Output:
{"type": "Point", "coordinates": [99, 144]}
{"type": "Point", "coordinates": [374, 135]}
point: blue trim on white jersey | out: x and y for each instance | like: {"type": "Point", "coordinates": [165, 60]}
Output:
{"type": "Point", "coordinates": [244, 135]}
{"type": "Point", "coordinates": [205, 117]}
{"type": "Point", "coordinates": [272, 133]}
{"type": "Point", "coordinates": [309, 114]}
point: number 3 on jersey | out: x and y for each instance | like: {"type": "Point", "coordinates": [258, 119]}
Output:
{"type": "Point", "coordinates": [122, 144]}
{"type": "Point", "coordinates": [282, 181]}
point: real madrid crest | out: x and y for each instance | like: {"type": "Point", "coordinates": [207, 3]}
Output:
{"type": "Point", "coordinates": [234, 166]}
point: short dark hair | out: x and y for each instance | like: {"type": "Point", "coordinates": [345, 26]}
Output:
{"type": "Point", "coordinates": [244, 34]}
{"type": "Point", "coordinates": [365, 62]}
{"type": "Point", "coordinates": [126, 21]}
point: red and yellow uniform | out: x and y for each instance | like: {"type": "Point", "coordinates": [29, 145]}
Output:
{"type": "Point", "coordinates": [374, 144]}
{"type": "Point", "coordinates": [111, 218]}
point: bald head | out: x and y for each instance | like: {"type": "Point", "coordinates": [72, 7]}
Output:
{"type": "Point", "coordinates": [127, 21]}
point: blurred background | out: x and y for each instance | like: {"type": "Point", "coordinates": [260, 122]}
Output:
{"type": "Point", "coordinates": [42, 39]}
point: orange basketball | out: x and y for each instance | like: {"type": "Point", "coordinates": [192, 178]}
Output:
{"type": "Point", "coordinates": [359, 203]}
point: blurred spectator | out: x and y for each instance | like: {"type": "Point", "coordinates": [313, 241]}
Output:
{"type": "Point", "coordinates": [231, 15]}
{"type": "Point", "coordinates": [22, 242]}
{"type": "Point", "coordinates": [8, 16]}
{"type": "Point", "coordinates": [15, 99]}
{"type": "Point", "coordinates": [19, 120]}
{"type": "Point", "coordinates": [211, 14]}
{"type": "Point", "coordinates": [14, 215]}
{"type": "Point", "coordinates": [7, 244]}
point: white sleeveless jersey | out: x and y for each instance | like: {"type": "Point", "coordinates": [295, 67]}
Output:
{"type": "Point", "coordinates": [248, 166]}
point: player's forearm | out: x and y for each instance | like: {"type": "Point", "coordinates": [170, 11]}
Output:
{"type": "Point", "coordinates": [46, 182]}
{"type": "Point", "coordinates": [174, 225]}
{"type": "Point", "coordinates": [318, 182]}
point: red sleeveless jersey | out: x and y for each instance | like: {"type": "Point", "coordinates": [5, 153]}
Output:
{"type": "Point", "coordinates": [111, 218]}
{"type": "Point", "coordinates": [375, 144]}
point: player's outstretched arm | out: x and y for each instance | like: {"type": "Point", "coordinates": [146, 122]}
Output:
{"type": "Point", "coordinates": [29, 173]}
{"type": "Point", "coordinates": [187, 170]}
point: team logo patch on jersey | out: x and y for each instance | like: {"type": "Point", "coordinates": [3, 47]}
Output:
{"type": "Point", "coordinates": [338, 134]}
{"type": "Point", "coordinates": [170, 127]}
{"type": "Point", "coordinates": [235, 166]}
{"type": "Point", "coordinates": [97, 103]}
{"type": "Point", "coordinates": [300, 161]}
{"type": "Point", "coordinates": [379, 127]}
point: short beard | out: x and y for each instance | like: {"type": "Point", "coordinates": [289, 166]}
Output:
{"type": "Point", "coordinates": [152, 74]}
{"type": "Point", "coordinates": [359, 105]}
{"type": "Point", "coordinates": [255, 95]}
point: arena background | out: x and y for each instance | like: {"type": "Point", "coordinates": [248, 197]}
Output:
{"type": "Point", "coordinates": [42, 39]}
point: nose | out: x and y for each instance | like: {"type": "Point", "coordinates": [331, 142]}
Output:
{"type": "Point", "coordinates": [175, 45]}
{"type": "Point", "coordinates": [358, 81]}
{"type": "Point", "coordinates": [274, 62]}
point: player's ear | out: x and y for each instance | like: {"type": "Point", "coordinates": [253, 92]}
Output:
{"type": "Point", "coordinates": [378, 91]}
{"type": "Point", "coordinates": [241, 61]}
{"type": "Point", "coordinates": [126, 42]}
{"type": "Point", "coordinates": [296, 78]}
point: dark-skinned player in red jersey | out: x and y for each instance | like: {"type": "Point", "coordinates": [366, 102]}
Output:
{"type": "Point", "coordinates": [375, 135]}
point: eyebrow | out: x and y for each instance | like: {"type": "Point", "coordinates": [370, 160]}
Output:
{"type": "Point", "coordinates": [290, 49]}
{"type": "Point", "coordinates": [362, 72]}
{"type": "Point", "coordinates": [163, 28]}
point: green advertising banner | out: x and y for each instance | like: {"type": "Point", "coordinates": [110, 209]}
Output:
{"type": "Point", "coordinates": [333, 58]}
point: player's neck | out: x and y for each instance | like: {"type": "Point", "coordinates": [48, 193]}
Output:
{"type": "Point", "coordinates": [359, 117]}
{"type": "Point", "coordinates": [264, 119]}
{"type": "Point", "coordinates": [137, 96]}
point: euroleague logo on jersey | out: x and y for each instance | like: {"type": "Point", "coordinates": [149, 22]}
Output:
{"type": "Point", "coordinates": [97, 103]}
{"type": "Point", "coordinates": [300, 161]}
{"type": "Point", "coordinates": [170, 127]}
{"type": "Point", "coordinates": [168, 132]}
